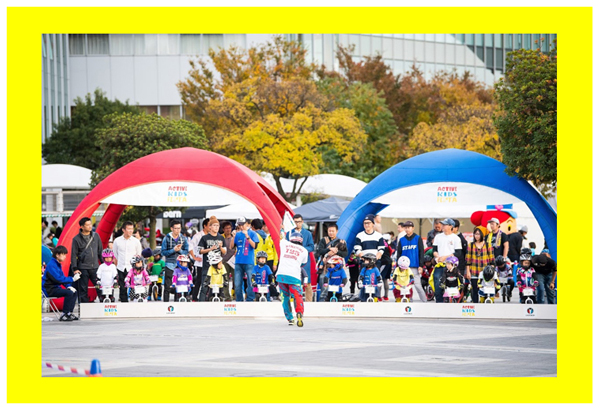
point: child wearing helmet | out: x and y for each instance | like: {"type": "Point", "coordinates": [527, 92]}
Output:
{"type": "Point", "coordinates": [335, 276]}
{"type": "Point", "coordinates": [403, 276]}
{"type": "Point", "coordinates": [157, 269]}
{"type": "Point", "coordinates": [504, 270]}
{"type": "Point", "coordinates": [107, 272]}
{"type": "Point", "coordinates": [369, 276]}
{"type": "Point", "coordinates": [216, 275]}
{"type": "Point", "coordinates": [262, 275]}
{"type": "Point", "coordinates": [451, 278]}
{"type": "Point", "coordinates": [487, 278]}
{"type": "Point", "coordinates": [525, 274]}
{"type": "Point", "coordinates": [137, 276]}
{"type": "Point", "coordinates": [182, 276]}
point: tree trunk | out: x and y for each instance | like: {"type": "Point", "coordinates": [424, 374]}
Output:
{"type": "Point", "coordinates": [152, 238]}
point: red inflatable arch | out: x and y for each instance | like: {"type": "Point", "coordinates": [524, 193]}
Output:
{"type": "Point", "coordinates": [182, 177]}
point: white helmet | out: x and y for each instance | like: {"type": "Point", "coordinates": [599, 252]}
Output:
{"type": "Point", "coordinates": [214, 258]}
{"type": "Point", "coordinates": [403, 262]}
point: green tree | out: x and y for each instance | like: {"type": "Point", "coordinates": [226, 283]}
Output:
{"type": "Point", "coordinates": [127, 137]}
{"type": "Point", "coordinates": [526, 115]}
{"type": "Point", "coordinates": [377, 122]}
{"type": "Point", "coordinates": [73, 139]}
{"type": "Point", "coordinates": [265, 111]}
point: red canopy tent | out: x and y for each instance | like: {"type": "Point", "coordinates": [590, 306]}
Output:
{"type": "Point", "coordinates": [178, 177]}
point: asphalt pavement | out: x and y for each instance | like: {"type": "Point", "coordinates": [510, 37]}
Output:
{"type": "Point", "coordinates": [324, 347]}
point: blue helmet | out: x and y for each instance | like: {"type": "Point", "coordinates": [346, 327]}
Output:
{"type": "Point", "coordinates": [296, 237]}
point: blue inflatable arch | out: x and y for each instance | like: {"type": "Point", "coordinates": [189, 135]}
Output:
{"type": "Point", "coordinates": [449, 165]}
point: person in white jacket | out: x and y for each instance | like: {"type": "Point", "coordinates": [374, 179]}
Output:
{"type": "Point", "coordinates": [289, 275]}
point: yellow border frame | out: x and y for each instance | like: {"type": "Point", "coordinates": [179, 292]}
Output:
{"type": "Point", "coordinates": [24, 27]}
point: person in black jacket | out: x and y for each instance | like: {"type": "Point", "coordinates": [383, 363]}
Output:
{"type": "Point", "coordinates": [327, 247]}
{"type": "Point", "coordinates": [53, 281]}
{"type": "Point", "coordinates": [86, 252]}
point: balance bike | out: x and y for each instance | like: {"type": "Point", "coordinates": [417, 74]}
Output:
{"type": "Point", "coordinates": [452, 294]}
{"type": "Point", "coordinates": [505, 291]}
{"type": "Point", "coordinates": [215, 292]}
{"type": "Point", "coordinates": [183, 290]}
{"type": "Point", "coordinates": [405, 293]}
{"type": "Point", "coordinates": [333, 289]}
{"type": "Point", "coordinates": [489, 293]}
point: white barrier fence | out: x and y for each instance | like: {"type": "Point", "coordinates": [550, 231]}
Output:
{"type": "Point", "coordinates": [340, 309]}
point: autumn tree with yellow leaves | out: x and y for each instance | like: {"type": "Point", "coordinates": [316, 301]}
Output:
{"type": "Point", "coordinates": [262, 108]}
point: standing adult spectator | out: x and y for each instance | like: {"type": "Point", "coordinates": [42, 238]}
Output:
{"type": "Point", "coordinates": [257, 226]}
{"type": "Point", "coordinates": [53, 281]}
{"type": "Point", "coordinates": [45, 230]}
{"type": "Point", "coordinates": [213, 241]}
{"type": "Point", "coordinates": [54, 227]}
{"type": "Point", "coordinates": [461, 260]}
{"type": "Point", "coordinates": [401, 234]}
{"type": "Point", "coordinates": [245, 241]}
{"type": "Point", "coordinates": [272, 257]}
{"type": "Point", "coordinates": [497, 239]}
{"type": "Point", "coordinates": [545, 274]}
{"type": "Point", "coordinates": [228, 259]}
{"type": "Point", "coordinates": [173, 245]}
{"type": "Point", "coordinates": [411, 246]}
{"type": "Point", "coordinates": [143, 241]}
{"type": "Point", "coordinates": [58, 232]}
{"type": "Point", "coordinates": [515, 243]}
{"type": "Point", "coordinates": [195, 252]}
{"type": "Point", "coordinates": [309, 245]}
{"type": "Point", "coordinates": [445, 245]}
{"type": "Point", "coordinates": [369, 240]}
{"type": "Point", "coordinates": [479, 255]}
{"type": "Point", "coordinates": [327, 247]}
{"type": "Point", "coordinates": [437, 229]}
{"type": "Point", "coordinates": [386, 265]}
{"type": "Point", "coordinates": [125, 247]}
{"type": "Point", "coordinates": [86, 252]}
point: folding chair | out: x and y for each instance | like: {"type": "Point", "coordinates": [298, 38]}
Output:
{"type": "Point", "coordinates": [48, 306]}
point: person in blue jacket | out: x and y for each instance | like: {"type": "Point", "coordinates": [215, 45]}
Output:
{"type": "Point", "coordinates": [56, 284]}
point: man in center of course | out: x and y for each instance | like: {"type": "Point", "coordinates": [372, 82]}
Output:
{"type": "Point", "coordinates": [213, 241]}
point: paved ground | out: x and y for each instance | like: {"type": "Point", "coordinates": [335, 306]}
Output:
{"type": "Point", "coordinates": [323, 347]}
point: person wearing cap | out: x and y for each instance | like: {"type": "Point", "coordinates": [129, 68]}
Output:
{"type": "Point", "coordinates": [369, 240]}
{"type": "Point", "coordinates": [411, 246]}
{"type": "Point", "coordinates": [444, 245]}
{"type": "Point", "coordinates": [545, 274]}
{"type": "Point", "coordinates": [245, 241]}
{"type": "Point", "coordinates": [213, 241]}
{"type": "Point", "coordinates": [497, 239]}
{"type": "Point", "coordinates": [172, 246]}
{"type": "Point", "coordinates": [307, 242]}
{"type": "Point", "coordinates": [289, 275]}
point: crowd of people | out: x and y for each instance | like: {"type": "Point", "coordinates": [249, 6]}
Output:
{"type": "Point", "coordinates": [200, 266]}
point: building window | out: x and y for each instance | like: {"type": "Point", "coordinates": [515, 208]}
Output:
{"type": "Point", "coordinates": [77, 44]}
{"type": "Point", "coordinates": [470, 39]}
{"type": "Point", "coordinates": [190, 44]}
{"type": "Point", "coordinates": [365, 45]}
{"type": "Point", "coordinates": [238, 40]}
{"type": "Point", "coordinates": [171, 112]}
{"type": "Point", "coordinates": [518, 41]}
{"type": "Point", "coordinates": [97, 44]}
{"type": "Point", "coordinates": [489, 42]}
{"type": "Point", "coordinates": [536, 41]}
{"type": "Point", "coordinates": [479, 39]}
{"type": "Point", "coordinates": [489, 57]}
{"type": "Point", "coordinates": [527, 41]}
{"type": "Point", "coordinates": [211, 41]}
{"type": "Point", "coordinates": [545, 41]}
{"type": "Point", "coordinates": [121, 44]}
{"type": "Point", "coordinates": [168, 44]}
{"type": "Point", "coordinates": [145, 44]}
{"type": "Point", "coordinates": [498, 40]}
{"type": "Point", "coordinates": [460, 38]}
{"type": "Point", "coordinates": [148, 109]}
{"type": "Point", "coordinates": [508, 41]}
{"type": "Point", "coordinates": [480, 53]}
{"type": "Point", "coordinates": [499, 59]}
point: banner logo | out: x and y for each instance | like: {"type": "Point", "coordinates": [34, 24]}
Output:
{"type": "Point", "coordinates": [348, 309]}
{"type": "Point", "coordinates": [230, 309]}
{"type": "Point", "coordinates": [447, 194]}
{"type": "Point", "coordinates": [530, 312]}
{"type": "Point", "coordinates": [170, 310]}
{"type": "Point", "coordinates": [468, 310]}
{"type": "Point", "coordinates": [110, 310]}
{"type": "Point", "coordinates": [177, 194]}
{"type": "Point", "coordinates": [407, 311]}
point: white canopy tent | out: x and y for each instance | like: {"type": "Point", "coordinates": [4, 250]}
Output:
{"type": "Point", "coordinates": [62, 176]}
{"type": "Point", "coordinates": [340, 186]}
{"type": "Point", "coordinates": [455, 200]}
